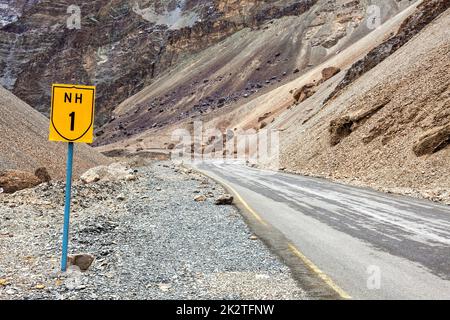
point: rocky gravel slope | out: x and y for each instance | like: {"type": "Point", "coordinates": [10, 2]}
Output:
{"type": "Point", "coordinates": [149, 237]}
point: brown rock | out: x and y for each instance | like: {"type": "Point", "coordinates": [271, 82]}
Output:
{"type": "Point", "coordinates": [15, 180]}
{"type": "Point", "coordinates": [339, 129]}
{"type": "Point", "coordinates": [82, 261]}
{"type": "Point", "coordinates": [265, 116]}
{"type": "Point", "coordinates": [304, 92]}
{"type": "Point", "coordinates": [43, 174]}
{"type": "Point", "coordinates": [432, 141]}
{"type": "Point", "coordinates": [329, 73]}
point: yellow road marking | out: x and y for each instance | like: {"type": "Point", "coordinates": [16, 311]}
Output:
{"type": "Point", "coordinates": [319, 273]}
{"type": "Point", "coordinates": [305, 260]}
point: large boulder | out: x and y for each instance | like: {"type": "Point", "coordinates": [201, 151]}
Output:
{"type": "Point", "coordinates": [15, 180]}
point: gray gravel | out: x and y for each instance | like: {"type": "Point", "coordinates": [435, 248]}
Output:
{"type": "Point", "coordinates": [151, 240]}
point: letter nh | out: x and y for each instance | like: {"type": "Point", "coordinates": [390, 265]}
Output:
{"type": "Point", "coordinates": [68, 97]}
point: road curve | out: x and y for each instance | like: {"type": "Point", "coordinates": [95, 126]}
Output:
{"type": "Point", "coordinates": [372, 245]}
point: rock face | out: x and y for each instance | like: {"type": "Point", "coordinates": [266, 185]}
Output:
{"type": "Point", "coordinates": [12, 10]}
{"type": "Point", "coordinates": [14, 180]}
{"type": "Point", "coordinates": [389, 128]}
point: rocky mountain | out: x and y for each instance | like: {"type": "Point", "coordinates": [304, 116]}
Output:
{"type": "Point", "coordinates": [126, 46]}
{"type": "Point", "coordinates": [252, 61]}
{"type": "Point", "coordinates": [121, 46]}
{"type": "Point", "coordinates": [374, 113]}
{"type": "Point", "coordinates": [24, 142]}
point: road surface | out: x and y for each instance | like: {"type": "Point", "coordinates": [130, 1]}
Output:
{"type": "Point", "coordinates": [368, 244]}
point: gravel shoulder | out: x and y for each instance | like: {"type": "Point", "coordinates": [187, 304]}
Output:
{"type": "Point", "coordinates": [149, 237]}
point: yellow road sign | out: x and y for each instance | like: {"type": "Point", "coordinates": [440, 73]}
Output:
{"type": "Point", "coordinates": [72, 114]}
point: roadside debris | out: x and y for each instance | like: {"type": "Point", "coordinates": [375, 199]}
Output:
{"type": "Point", "coordinates": [225, 199]}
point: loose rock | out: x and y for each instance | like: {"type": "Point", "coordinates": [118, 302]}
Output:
{"type": "Point", "coordinates": [225, 199]}
{"type": "Point", "coordinates": [82, 261]}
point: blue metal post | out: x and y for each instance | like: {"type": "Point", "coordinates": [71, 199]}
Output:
{"type": "Point", "coordinates": [65, 240]}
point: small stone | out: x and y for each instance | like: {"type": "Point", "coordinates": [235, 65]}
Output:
{"type": "Point", "coordinates": [120, 197]}
{"type": "Point", "coordinates": [164, 287]}
{"type": "Point", "coordinates": [253, 237]}
{"type": "Point", "coordinates": [82, 261]}
{"type": "Point", "coordinates": [130, 177]}
{"type": "Point", "coordinates": [225, 199]}
{"type": "Point", "coordinates": [200, 198]}
{"type": "Point", "coordinates": [10, 291]}
{"type": "Point", "coordinates": [40, 286]}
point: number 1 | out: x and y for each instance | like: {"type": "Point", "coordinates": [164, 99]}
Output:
{"type": "Point", "coordinates": [72, 121]}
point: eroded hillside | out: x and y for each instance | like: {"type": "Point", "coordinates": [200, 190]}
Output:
{"type": "Point", "coordinates": [388, 129]}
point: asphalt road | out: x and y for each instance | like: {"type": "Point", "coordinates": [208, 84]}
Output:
{"type": "Point", "coordinates": [370, 244]}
